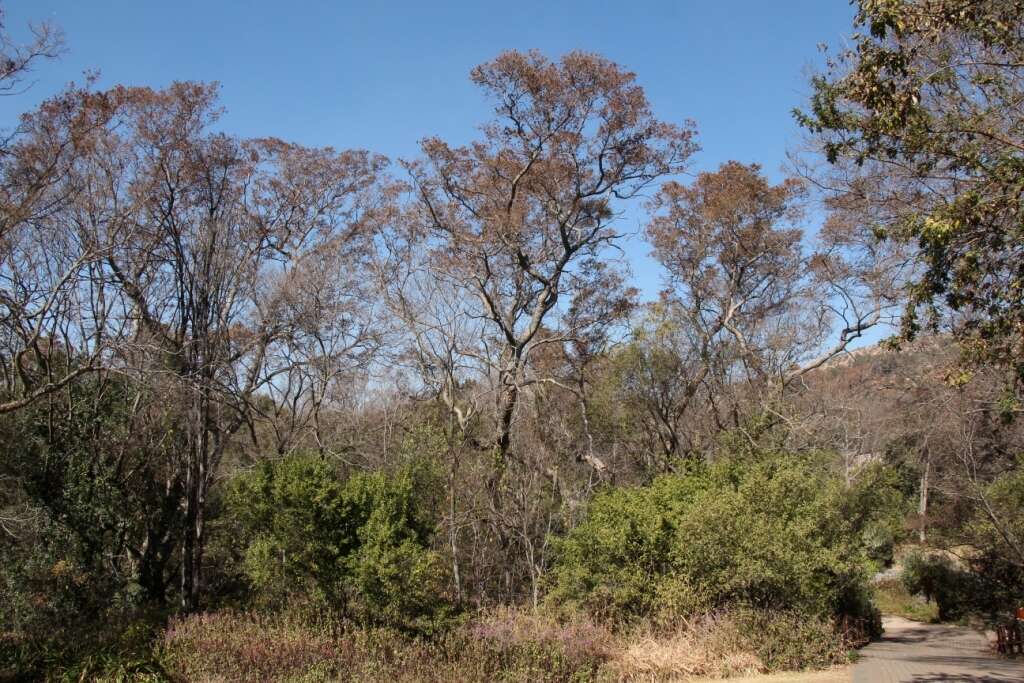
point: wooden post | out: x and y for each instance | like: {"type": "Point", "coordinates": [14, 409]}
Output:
{"type": "Point", "coordinates": [1009, 638]}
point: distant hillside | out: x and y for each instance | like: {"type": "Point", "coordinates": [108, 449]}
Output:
{"type": "Point", "coordinates": [926, 357]}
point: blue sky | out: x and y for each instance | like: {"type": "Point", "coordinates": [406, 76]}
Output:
{"type": "Point", "coordinates": [382, 75]}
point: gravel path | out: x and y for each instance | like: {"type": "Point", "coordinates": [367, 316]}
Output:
{"type": "Point", "coordinates": [910, 652]}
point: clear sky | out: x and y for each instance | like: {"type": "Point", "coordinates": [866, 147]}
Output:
{"type": "Point", "coordinates": [382, 75]}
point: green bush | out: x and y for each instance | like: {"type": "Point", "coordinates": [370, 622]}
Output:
{"type": "Point", "coordinates": [877, 504]}
{"type": "Point", "coordinates": [791, 641]}
{"type": "Point", "coordinates": [772, 531]}
{"type": "Point", "coordinates": [360, 545]}
{"type": "Point", "coordinates": [934, 576]}
{"type": "Point", "coordinates": [81, 497]}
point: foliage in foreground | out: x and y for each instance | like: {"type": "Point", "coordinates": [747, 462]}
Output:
{"type": "Point", "coordinates": [502, 645]}
{"type": "Point", "coordinates": [995, 532]}
{"type": "Point", "coordinates": [921, 112]}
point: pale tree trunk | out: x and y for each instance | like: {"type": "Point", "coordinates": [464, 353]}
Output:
{"type": "Point", "coordinates": [453, 535]}
{"type": "Point", "coordinates": [922, 506]}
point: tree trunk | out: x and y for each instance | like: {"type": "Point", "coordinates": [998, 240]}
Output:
{"type": "Point", "coordinates": [188, 545]}
{"type": "Point", "coordinates": [453, 534]}
{"type": "Point", "coordinates": [160, 540]}
{"type": "Point", "coordinates": [922, 506]}
{"type": "Point", "coordinates": [506, 411]}
{"type": "Point", "coordinates": [195, 497]}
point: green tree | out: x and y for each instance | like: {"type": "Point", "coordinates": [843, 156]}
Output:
{"type": "Point", "coordinates": [361, 545]}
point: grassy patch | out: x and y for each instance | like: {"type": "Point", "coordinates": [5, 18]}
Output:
{"type": "Point", "coordinates": [891, 597]}
{"type": "Point", "coordinates": [725, 644]}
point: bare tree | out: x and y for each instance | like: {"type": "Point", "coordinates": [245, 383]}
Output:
{"type": "Point", "coordinates": [17, 59]}
{"type": "Point", "coordinates": [736, 283]}
{"type": "Point", "coordinates": [514, 218]}
{"type": "Point", "coordinates": [209, 243]}
{"type": "Point", "coordinates": [749, 308]}
{"type": "Point", "coordinates": [56, 310]}
{"type": "Point", "coordinates": [334, 331]}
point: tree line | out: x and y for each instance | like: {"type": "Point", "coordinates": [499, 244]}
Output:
{"type": "Point", "coordinates": [181, 308]}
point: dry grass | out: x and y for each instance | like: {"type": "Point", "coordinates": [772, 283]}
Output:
{"type": "Point", "coordinates": [712, 646]}
{"type": "Point", "coordinates": [681, 657]}
{"type": "Point", "coordinates": [728, 644]}
{"type": "Point", "coordinates": [504, 644]}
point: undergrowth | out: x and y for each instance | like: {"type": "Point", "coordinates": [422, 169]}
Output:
{"type": "Point", "coordinates": [499, 645]}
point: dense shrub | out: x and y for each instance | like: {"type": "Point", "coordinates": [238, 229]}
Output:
{"type": "Point", "coordinates": [79, 505]}
{"type": "Point", "coordinates": [360, 545]}
{"type": "Point", "coordinates": [954, 591]}
{"type": "Point", "coordinates": [877, 504]}
{"type": "Point", "coordinates": [787, 641]}
{"type": "Point", "coordinates": [772, 532]}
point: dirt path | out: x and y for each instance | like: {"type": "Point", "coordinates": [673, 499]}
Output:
{"type": "Point", "coordinates": [922, 653]}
